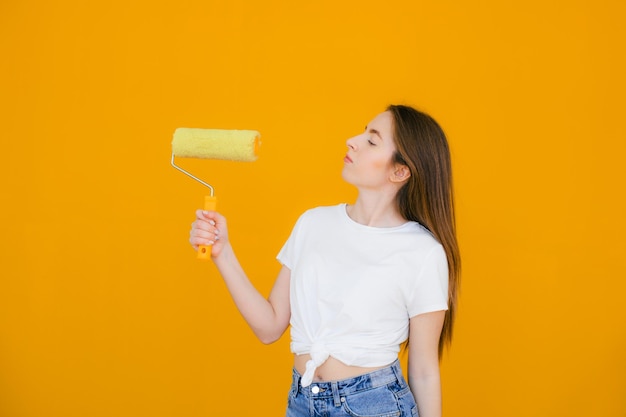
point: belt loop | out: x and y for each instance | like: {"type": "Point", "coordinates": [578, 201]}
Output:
{"type": "Point", "coordinates": [397, 370]}
{"type": "Point", "coordinates": [335, 393]}
{"type": "Point", "coordinates": [296, 384]}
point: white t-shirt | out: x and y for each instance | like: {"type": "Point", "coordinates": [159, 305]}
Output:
{"type": "Point", "coordinates": [354, 287]}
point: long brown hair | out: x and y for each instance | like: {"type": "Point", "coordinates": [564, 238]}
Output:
{"type": "Point", "coordinates": [428, 197]}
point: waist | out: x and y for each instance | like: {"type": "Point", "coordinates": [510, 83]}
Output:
{"type": "Point", "coordinates": [332, 369]}
{"type": "Point", "coordinates": [379, 377]}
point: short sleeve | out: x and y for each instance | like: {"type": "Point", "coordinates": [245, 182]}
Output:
{"type": "Point", "coordinates": [429, 291]}
{"type": "Point", "coordinates": [289, 252]}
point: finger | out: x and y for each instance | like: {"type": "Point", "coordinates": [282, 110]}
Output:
{"type": "Point", "coordinates": [195, 242]}
{"type": "Point", "coordinates": [214, 216]}
{"type": "Point", "coordinates": [203, 225]}
{"type": "Point", "coordinates": [207, 216]}
{"type": "Point", "coordinates": [208, 232]}
{"type": "Point", "coordinates": [204, 234]}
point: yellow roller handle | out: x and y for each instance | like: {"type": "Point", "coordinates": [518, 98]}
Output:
{"type": "Point", "coordinates": [210, 204]}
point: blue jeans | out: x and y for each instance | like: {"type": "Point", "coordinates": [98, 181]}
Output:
{"type": "Point", "coordinates": [382, 393]}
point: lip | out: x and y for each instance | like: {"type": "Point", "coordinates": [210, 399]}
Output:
{"type": "Point", "coordinates": [347, 159]}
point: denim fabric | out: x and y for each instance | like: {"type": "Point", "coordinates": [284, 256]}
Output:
{"type": "Point", "coordinates": [382, 393]}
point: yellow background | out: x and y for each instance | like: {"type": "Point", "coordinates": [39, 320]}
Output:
{"type": "Point", "coordinates": [104, 310]}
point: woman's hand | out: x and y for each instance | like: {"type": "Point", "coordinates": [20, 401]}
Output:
{"type": "Point", "coordinates": [209, 228]}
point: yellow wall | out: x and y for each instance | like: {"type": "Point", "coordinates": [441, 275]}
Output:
{"type": "Point", "coordinates": [104, 310]}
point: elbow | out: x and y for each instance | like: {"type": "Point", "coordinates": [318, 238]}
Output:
{"type": "Point", "coordinates": [270, 333]}
{"type": "Point", "coordinates": [268, 338]}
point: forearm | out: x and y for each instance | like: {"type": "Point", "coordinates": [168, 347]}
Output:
{"type": "Point", "coordinates": [255, 309]}
{"type": "Point", "coordinates": [427, 392]}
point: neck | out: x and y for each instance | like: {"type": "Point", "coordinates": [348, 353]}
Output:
{"type": "Point", "coordinates": [376, 210]}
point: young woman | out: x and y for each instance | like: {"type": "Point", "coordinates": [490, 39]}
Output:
{"type": "Point", "coordinates": [359, 280]}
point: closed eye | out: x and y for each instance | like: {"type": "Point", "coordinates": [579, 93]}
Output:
{"type": "Point", "coordinates": [373, 132]}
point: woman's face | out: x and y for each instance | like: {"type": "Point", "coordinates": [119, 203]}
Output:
{"type": "Point", "coordinates": [368, 163]}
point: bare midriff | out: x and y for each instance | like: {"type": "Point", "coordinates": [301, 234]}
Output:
{"type": "Point", "coordinates": [332, 369]}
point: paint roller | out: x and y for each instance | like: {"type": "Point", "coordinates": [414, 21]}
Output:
{"type": "Point", "coordinates": [232, 145]}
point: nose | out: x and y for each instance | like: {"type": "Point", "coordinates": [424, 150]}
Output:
{"type": "Point", "coordinates": [351, 143]}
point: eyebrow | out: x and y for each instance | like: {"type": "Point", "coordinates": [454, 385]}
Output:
{"type": "Point", "coordinates": [374, 131]}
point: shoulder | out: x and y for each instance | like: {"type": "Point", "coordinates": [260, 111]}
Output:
{"type": "Point", "coordinates": [326, 210]}
{"type": "Point", "coordinates": [322, 212]}
{"type": "Point", "coordinates": [317, 218]}
{"type": "Point", "coordinates": [422, 239]}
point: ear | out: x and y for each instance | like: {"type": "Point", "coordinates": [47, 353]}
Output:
{"type": "Point", "coordinates": [400, 173]}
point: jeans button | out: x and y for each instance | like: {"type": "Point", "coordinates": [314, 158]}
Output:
{"type": "Point", "coordinates": [315, 389]}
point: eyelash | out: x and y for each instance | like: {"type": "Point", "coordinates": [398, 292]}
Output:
{"type": "Point", "coordinates": [369, 140]}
